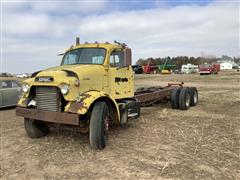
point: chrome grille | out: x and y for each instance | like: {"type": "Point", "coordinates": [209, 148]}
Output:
{"type": "Point", "coordinates": [47, 98]}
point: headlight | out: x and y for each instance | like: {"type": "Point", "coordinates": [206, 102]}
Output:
{"type": "Point", "coordinates": [25, 88]}
{"type": "Point", "coordinates": [64, 88]}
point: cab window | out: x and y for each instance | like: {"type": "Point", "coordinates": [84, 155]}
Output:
{"type": "Point", "coordinates": [117, 59]}
{"type": "Point", "coordinates": [71, 58]}
{"type": "Point", "coordinates": [84, 56]}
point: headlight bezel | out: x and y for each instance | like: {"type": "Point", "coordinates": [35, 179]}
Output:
{"type": "Point", "coordinates": [64, 88]}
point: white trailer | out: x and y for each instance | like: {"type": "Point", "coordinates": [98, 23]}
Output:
{"type": "Point", "coordinates": [189, 68]}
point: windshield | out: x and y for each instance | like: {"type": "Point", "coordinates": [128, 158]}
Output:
{"type": "Point", "coordinates": [84, 56]}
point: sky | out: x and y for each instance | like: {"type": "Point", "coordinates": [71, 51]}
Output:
{"type": "Point", "coordinates": [34, 32]}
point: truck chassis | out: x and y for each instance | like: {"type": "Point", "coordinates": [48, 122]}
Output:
{"type": "Point", "coordinates": [144, 97]}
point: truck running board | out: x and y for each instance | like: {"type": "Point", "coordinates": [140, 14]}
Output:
{"type": "Point", "coordinates": [133, 115]}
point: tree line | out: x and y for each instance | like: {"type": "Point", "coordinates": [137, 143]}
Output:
{"type": "Point", "coordinates": [180, 60]}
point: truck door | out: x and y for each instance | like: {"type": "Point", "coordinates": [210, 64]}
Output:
{"type": "Point", "coordinates": [121, 76]}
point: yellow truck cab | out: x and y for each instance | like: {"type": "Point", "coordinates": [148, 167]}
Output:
{"type": "Point", "coordinates": [92, 88]}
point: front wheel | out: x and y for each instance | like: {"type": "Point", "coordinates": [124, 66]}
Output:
{"type": "Point", "coordinates": [35, 128]}
{"type": "Point", "coordinates": [99, 124]}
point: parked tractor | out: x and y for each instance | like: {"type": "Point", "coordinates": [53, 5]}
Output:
{"type": "Point", "coordinates": [91, 90]}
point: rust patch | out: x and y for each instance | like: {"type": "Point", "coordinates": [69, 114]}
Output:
{"type": "Point", "coordinates": [76, 106]}
{"type": "Point", "coordinates": [152, 95]}
{"type": "Point", "coordinates": [79, 105]}
{"type": "Point", "coordinates": [85, 96]}
{"type": "Point", "coordinates": [25, 102]}
{"type": "Point", "coordinates": [105, 94]}
{"type": "Point", "coordinates": [176, 84]}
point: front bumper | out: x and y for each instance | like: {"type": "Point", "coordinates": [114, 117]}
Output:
{"type": "Point", "coordinates": [48, 116]}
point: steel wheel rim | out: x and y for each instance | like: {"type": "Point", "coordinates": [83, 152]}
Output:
{"type": "Point", "coordinates": [187, 100]}
{"type": "Point", "coordinates": [106, 124]}
{"type": "Point", "coordinates": [195, 98]}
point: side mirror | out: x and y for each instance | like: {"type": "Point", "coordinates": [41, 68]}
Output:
{"type": "Point", "coordinates": [127, 57]}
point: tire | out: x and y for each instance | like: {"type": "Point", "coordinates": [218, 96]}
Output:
{"type": "Point", "coordinates": [184, 99]}
{"type": "Point", "coordinates": [175, 98]}
{"type": "Point", "coordinates": [194, 96]}
{"type": "Point", "coordinates": [35, 129]}
{"type": "Point", "coordinates": [99, 122]}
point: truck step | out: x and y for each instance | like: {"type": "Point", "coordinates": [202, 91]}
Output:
{"type": "Point", "coordinates": [133, 115]}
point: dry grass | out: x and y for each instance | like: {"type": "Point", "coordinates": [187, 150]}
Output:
{"type": "Point", "coordinates": [201, 143]}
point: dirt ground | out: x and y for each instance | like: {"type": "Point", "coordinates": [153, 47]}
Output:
{"type": "Point", "coordinates": [201, 143]}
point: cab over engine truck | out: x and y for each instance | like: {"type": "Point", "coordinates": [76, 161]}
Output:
{"type": "Point", "coordinates": [92, 89]}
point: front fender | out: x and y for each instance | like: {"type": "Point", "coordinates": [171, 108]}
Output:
{"type": "Point", "coordinates": [85, 100]}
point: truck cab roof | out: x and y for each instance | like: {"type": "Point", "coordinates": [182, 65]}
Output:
{"type": "Point", "coordinates": [107, 46]}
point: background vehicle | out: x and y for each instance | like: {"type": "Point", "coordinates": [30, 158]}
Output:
{"type": "Point", "coordinates": [189, 68]}
{"type": "Point", "coordinates": [177, 71]}
{"type": "Point", "coordinates": [6, 75]}
{"type": "Point", "coordinates": [209, 69]}
{"type": "Point", "coordinates": [137, 69]}
{"type": "Point", "coordinates": [166, 68]}
{"type": "Point", "coordinates": [92, 89]}
{"type": "Point", "coordinates": [24, 75]}
{"type": "Point", "coordinates": [10, 91]}
{"type": "Point", "coordinates": [150, 68]}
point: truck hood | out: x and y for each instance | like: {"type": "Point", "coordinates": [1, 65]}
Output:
{"type": "Point", "coordinates": [80, 70]}
{"type": "Point", "coordinates": [89, 76]}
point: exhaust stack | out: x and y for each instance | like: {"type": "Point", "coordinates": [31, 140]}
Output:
{"type": "Point", "coordinates": [77, 41]}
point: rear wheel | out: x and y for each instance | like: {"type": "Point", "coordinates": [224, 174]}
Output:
{"type": "Point", "coordinates": [175, 98]}
{"type": "Point", "coordinates": [194, 96]}
{"type": "Point", "coordinates": [35, 129]}
{"type": "Point", "coordinates": [99, 124]}
{"type": "Point", "coordinates": [184, 99]}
